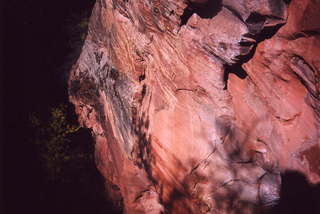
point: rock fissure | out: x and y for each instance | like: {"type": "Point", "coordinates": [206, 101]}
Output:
{"type": "Point", "coordinates": [202, 161]}
{"type": "Point", "coordinates": [205, 9]}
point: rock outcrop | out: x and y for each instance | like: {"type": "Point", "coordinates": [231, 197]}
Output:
{"type": "Point", "coordinates": [198, 106]}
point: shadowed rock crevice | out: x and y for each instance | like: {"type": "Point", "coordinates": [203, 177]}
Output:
{"type": "Point", "coordinates": [255, 22]}
{"type": "Point", "coordinates": [258, 31]}
{"type": "Point", "coordinates": [237, 70]}
{"type": "Point", "coordinates": [206, 10]}
{"type": "Point", "coordinates": [268, 32]}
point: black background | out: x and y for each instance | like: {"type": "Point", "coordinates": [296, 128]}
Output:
{"type": "Point", "coordinates": [35, 60]}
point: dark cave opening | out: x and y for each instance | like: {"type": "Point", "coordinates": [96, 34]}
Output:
{"type": "Point", "coordinates": [205, 10]}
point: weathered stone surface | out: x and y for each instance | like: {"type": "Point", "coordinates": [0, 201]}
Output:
{"type": "Point", "coordinates": [198, 106]}
{"type": "Point", "coordinates": [281, 95]}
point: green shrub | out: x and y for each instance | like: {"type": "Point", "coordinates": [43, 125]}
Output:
{"type": "Point", "coordinates": [59, 154]}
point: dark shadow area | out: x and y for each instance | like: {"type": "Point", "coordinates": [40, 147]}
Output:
{"type": "Point", "coordinates": [297, 195]}
{"type": "Point", "coordinates": [37, 55]}
{"type": "Point", "coordinates": [80, 187]}
{"type": "Point", "coordinates": [140, 129]}
{"type": "Point", "coordinates": [206, 10]}
{"type": "Point", "coordinates": [268, 32]}
{"type": "Point", "coordinates": [255, 22]}
{"type": "Point", "coordinates": [1, 108]}
{"type": "Point", "coordinates": [257, 31]}
{"type": "Point", "coordinates": [235, 69]}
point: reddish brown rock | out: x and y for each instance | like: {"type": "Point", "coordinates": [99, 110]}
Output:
{"type": "Point", "coordinates": [281, 95]}
{"type": "Point", "coordinates": [189, 116]}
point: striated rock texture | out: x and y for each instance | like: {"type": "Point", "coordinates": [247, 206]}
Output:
{"type": "Point", "coordinates": [198, 106]}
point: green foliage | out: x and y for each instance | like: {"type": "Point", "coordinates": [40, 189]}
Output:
{"type": "Point", "coordinates": [53, 138]}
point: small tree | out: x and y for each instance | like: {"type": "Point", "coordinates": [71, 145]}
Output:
{"type": "Point", "coordinates": [53, 138]}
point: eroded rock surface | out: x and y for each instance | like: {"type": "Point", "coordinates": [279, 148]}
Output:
{"type": "Point", "coordinates": [198, 106]}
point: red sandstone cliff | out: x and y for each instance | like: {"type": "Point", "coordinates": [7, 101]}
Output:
{"type": "Point", "coordinates": [198, 106]}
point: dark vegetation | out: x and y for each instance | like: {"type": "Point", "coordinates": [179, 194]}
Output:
{"type": "Point", "coordinates": [48, 165]}
{"type": "Point", "coordinates": [64, 148]}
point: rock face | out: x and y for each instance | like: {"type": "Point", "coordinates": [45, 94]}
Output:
{"type": "Point", "coordinates": [198, 106]}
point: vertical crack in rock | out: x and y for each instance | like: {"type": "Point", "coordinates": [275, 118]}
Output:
{"type": "Point", "coordinates": [198, 106]}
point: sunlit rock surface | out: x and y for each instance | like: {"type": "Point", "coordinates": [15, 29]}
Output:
{"type": "Point", "coordinates": [198, 106]}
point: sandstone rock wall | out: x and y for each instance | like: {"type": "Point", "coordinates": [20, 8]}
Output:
{"type": "Point", "coordinates": [198, 106]}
